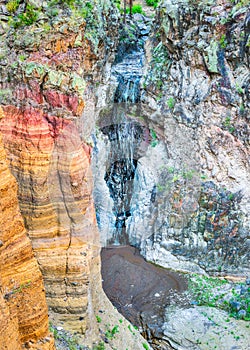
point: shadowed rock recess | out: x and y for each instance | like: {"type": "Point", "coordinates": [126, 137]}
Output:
{"type": "Point", "coordinates": [157, 108]}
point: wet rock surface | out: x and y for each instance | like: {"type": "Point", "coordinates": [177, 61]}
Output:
{"type": "Point", "coordinates": [139, 290]}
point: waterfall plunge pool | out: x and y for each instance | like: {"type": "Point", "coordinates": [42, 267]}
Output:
{"type": "Point", "coordinates": [141, 291]}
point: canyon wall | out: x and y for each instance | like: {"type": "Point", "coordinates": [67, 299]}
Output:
{"type": "Point", "coordinates": [192, 202]}
{"type": "Point", "coordinates": [24, 312]}
{"type": "Point", "coordinates": [50, 70]}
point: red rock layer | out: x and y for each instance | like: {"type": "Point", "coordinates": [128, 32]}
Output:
{"type": "Point", "coordinates": [24, 314]}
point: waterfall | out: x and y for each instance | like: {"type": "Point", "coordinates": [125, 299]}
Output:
{"type": "Point", "coordinates": [125, 134]}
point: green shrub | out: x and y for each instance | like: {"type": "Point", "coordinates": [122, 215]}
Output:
{"type": "Point", "coordinates": [153, 3]}
{"type": "Point", "coordinates": [110, 333]}
{"type": "Point", "coordinates": [154, 141]}
{"type": "Point", "coordinates": [137, 9]}
{"type": "Point", "coordinates": [26, 18]}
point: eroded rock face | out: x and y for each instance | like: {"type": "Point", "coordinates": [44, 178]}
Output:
{"type": "Point", "coordinates": [51, 77]}
{"type": "Point", "coordinates": [191, 198]}
{"type": "Point", "coordinates": [52, 168]}
{"type": "Point", "coordinates": [24, 313]}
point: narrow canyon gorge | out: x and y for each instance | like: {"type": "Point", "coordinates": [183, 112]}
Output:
{"type": "Point", "coordinates": [124, 174]}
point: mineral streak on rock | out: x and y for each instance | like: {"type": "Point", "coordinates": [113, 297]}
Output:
{"type": "Point", "coordinates": [24, 313]}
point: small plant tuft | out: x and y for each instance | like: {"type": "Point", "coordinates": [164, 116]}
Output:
{"type": "Point", "coordinates": [171, 102]}
{"type": "Point", "coordinates": [154, 141]}
{"type": "Point", "coordinates": [137, 9]}
{"type": "Point", "coordinates": [145, 345]}
{"type": "Point", "coordinates": [12, 6]}
{"type": "Point", "coordinates": [98, 319]}
{"type": "Point", "coordinates": [153, 3]}
{"type": "Point", "coordinates": [223, 41]}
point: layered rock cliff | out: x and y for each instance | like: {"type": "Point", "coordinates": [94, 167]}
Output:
{"type": "Point", "coordinates": [24, 312]}
{"type": "Point", "coordinates": [50, 66]}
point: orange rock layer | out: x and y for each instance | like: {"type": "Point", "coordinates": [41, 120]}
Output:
{"type": "Point", "coordinates": [52, 168]}
{"type": "Point", "coordinates": [24, 314]}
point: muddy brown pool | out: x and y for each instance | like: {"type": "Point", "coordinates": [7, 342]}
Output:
{"type": "Point", "coordinates": [141, 291]}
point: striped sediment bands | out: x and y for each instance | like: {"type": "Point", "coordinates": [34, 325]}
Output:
{"type": "Point", "coordinates": [52, 168]}
{"type": "Point", "coordinates": [24, 313]}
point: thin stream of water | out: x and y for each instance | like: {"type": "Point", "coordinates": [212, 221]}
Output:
{"type": "Point", "coordinates": [125, 137]}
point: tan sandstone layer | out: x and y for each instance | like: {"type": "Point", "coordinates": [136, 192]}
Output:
{"type": "Point", "coordinates": [24, 313]}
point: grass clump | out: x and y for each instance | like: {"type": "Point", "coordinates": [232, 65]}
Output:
{"type": "Point", "coordinates": [154, 141]}
{"type": "Point", "coordinates": [223, 41]}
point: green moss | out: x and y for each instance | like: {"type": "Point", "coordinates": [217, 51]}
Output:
{"type": "Point", "coordinates": [159, 67]}
{"type": "Point", "coordinates": [154, 141]}
{"type": "Point", "coordinates": [100, 346]}
{"type": "Point", "coordinates": [208, 291]}
{"type": "Point", "coordinates": [56, 77]}
{"type": "Point", "coordinates": [228, 124]}
{"type": "Point", "coordinates": [110, 333]}
{"type": "Point", "coordinates": [5, 95]}
{"type": "Point", "coordinates": [78, 41]}
{"type": "Point", "coordinates": [98, 319]}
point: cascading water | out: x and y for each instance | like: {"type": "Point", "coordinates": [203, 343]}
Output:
{"type": "Point", "coordinates": [125, 135]}
{"type": "Point", "coordinates": [121, 142]}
